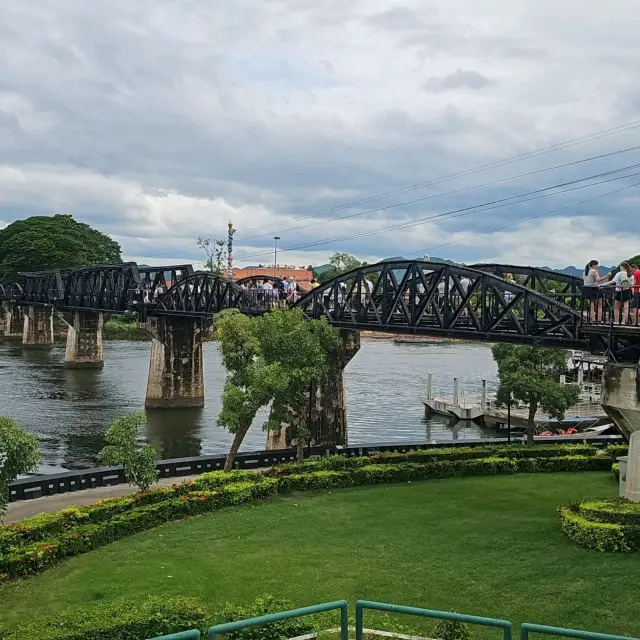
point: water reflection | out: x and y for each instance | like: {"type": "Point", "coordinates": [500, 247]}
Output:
{"type": "Point", "coordinates": [70, 409]}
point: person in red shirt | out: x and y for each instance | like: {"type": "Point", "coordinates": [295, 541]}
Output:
{"type": "Point", "coordinates": [635, 303]}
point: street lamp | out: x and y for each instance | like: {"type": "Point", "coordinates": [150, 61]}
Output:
{"type": "Point", "coordinates": [275, 254]}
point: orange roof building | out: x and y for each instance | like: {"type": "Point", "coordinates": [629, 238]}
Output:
{"type": "Point", "coordinates": [302, 276]}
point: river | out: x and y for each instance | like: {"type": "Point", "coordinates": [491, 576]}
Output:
{"type": "Point", "coordinates": [69, 410]}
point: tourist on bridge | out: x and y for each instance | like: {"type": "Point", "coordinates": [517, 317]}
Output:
{"type": "Point", "coordinates": [623, 282]}
{"type": "Point", "coordinates": [590, 291]}
{"type": "Point", "coordinates": [635, 304]}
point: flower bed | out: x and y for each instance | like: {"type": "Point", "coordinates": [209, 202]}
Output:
{"type": "Point", "coordinates": [32, 545]}
{"type": "Point", "coordinates": [605, 525]}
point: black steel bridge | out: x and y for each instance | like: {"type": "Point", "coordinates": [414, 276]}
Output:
{"type": "Point", "coordinates": [478, 302]}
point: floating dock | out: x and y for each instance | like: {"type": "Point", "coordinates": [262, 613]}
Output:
{"type": "Point", "coordinates": [481, 408]}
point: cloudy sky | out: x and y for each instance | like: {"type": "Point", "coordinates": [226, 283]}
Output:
{"type": "Point", "coordinates": [158, 121]}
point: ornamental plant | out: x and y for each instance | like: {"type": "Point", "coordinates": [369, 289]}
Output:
{"type": "Point", "coordinates": [123, 447]}
{"type": "Point", "coordinates": [19, 454]}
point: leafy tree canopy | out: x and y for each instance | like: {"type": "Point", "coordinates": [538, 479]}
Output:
{"type": "Point", "coordinates": [41, 242]}
{"type": "Point", "coordinates": [531, 375]}
{"type": "Point", "coordinates": [634, 260]}
{"type": "Point", "coordinates": [270, 359]}
{"type": "Point", "coordinates": [123, 447]}
{"type": "Point", "coordinates": [19, 454]}
{"type": "Point", "coordinates": [340, 263]}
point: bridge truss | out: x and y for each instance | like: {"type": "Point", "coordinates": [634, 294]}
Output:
{"type": "Point", "coordinates": [472, 303]}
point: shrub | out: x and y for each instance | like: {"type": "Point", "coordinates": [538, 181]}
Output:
{"type": "Point", "coordinates": [615, 469]}
{"type": "Point", "coordinates": [616, 450]}
{"type": "Point", "coordinates": [451, 630]}
{"type": "Point", "coordinates": [605, 525]}
{"type": "Point", "coordinates": [265, 605]}
{"type": "Point", "coordinates": [122, 621]}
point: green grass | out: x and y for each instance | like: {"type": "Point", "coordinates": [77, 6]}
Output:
{"type": "Point", "coordinates": [488, 546]}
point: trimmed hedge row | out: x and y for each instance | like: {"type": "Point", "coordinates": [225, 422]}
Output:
{"type": "Point", "coordinates": [131, 621]}
{"type": "Point", "coordinates": [615, 469]}
{"type": "Point", "coordinates": [26, 557]}
{"type": "Point", "coordinates": [605, 525]}
{"type": "Point", "coordinates": [160, 616]}
{"type": "Point", "coordinates": [32, 545]}
{"type": "Point", "coordinates": [339, 463]}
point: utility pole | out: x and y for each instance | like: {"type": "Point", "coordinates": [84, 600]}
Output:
{"type": "Point", "coordinates": [275, 254]}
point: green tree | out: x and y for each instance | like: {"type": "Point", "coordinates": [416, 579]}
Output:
{"type": "Point", "coordinates": [531, 375]}
{"type": "Point", "coordinates": [340, 263]}
{"type": "Point", "coordinates": [123, 447]}
{"type": "Point", "coordinates": [216, 253]}
{"type": "Point", "coordinates": [634, 260]}
{"type": "Point", "coordinates": [53, 242]}
{"type": "Point", "coordinates": [19, 454]}
{"type": "Point", "coordinates": [271, 359]}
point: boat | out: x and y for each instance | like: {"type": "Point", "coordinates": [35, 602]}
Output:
{"type": "Point", "coordinates": [417, 340]}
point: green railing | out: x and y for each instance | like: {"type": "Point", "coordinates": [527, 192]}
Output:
{"type": "Point", "coordinates": [220, 629]}
{"type": "Point", "coordinates": [528, 628]}
{"type": "Point", "coordinates": [194, 634]}
{"type": "Point", "coordinates": [361, 605]}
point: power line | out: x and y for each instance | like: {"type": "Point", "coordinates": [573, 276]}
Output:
{"type": "Point", "coordinates": [456, 191]}
{"type": "Point", "coordinates": [495, 204]}
{"type": "Point", "coordinates": [531, 154]}
{"type": "Point", "coordinates": [517, 222]}
{"type": "Point", "coordinates": [491, 165]}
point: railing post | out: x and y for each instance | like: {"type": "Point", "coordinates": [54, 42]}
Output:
{"type": "Point", "coordinates": [429, 386]}
{"type": "Point", "coordinates": [455, 392]}
{"type": "Point", "coordinates": [483, 396]}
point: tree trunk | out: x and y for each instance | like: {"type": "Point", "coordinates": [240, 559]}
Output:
{"type": "Point", "coordinates": [531, 422]}
{"type": "Point", "coordinates": [235, 445]}
{"type": "Point", "coordinates": [300, 450]}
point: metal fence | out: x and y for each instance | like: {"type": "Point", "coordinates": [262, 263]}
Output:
{"type": "Point", "coordinates": [611, 306]}
{"type": "Point", "coordinates": [505, 626]}
{"type": "Point", "coordinates": [362, 605]}
{"type": "Point", "coordinates": [55, 483]}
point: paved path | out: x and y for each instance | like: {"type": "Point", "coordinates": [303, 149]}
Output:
{"type": "Point", "coordinates": [27, 508]}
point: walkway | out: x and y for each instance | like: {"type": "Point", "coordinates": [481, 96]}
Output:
{"type": "Point", "coordinates": [49, 504]}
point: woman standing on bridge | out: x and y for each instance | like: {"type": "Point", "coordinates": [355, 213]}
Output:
{"type": "Point", "coordinates": [590, 291]}
{"type": "Point", "coordinates": [623, 282]}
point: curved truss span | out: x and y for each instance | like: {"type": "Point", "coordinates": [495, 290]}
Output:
{"type": "Point", "coordinates": [444, 300]}
{"type": "Point", "coordinates": [253, 280]}
{"type": "Point", "coordinates": [199, 295]}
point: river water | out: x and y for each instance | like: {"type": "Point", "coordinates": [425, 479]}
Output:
{"type": "Point", "coordinates": [69, 410]}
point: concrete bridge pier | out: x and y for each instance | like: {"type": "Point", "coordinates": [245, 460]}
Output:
{"type": "Point", "coordinates": [621, 395]}
{"type": "Point", "coordinates": [326, 408]}
{"type": "Point", "coordinates": [13, 321]}
{"type": "Point", "coordinates": [176, 377]}
{"type": "Point", "coordinates": [37, 328]}
{"type": "Point", "coordinates": [84, 341]}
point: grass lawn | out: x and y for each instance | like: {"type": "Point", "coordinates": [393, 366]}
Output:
{"type": "Point", "coordinates": [488, 546]}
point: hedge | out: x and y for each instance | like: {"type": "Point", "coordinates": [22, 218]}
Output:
{"type": "Point", "coordinates": [32, 545]}
{"type": "Point", "coordinates": [123, 621]}
{"type": "Point", "coordinates": [615, 469]}
{"type": "Point", "coordinates": [605, 525]}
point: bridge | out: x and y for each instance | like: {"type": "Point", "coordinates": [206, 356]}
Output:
{"type": "Point", "coordinates": [176, 304]}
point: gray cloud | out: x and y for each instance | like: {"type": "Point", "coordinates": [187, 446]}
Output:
{"type": "Point", "coordinates": [159, 121]}
{"type": "Point", "coordinates": [459, 79]}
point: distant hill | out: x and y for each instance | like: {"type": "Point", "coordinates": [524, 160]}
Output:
{"type": "Point", "coordinates": [578, 273]}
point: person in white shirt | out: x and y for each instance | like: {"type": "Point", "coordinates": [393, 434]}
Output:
{"type": "Point", "coordinates": [623, 282]}
{"type": "Point", "coordinates": [590, 289]}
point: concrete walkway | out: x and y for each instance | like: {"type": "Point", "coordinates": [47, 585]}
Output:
{"type": "Point", "coordinates": [49, 504]}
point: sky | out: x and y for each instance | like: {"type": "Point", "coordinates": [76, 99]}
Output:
{"type": "Point", "coordinates": [158, 122]}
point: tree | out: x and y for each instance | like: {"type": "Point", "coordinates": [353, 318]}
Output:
{"type": "Point", "coordinates": [531, 375]}
{"type": "Point", "coordinates": [635, 260]}
{"type": "Point", "coordinates": [270, 359]}
{"type": "Point", "coordinates": [19, 454]}
{"type": "Point", "coordinates": [124, 448]}
{"type": "Point", "coordinates": [57, 242]}
{"type": "Point", "coordinates": [215, 252]}
{"type": "Point", "coordinates": [340, 263]}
